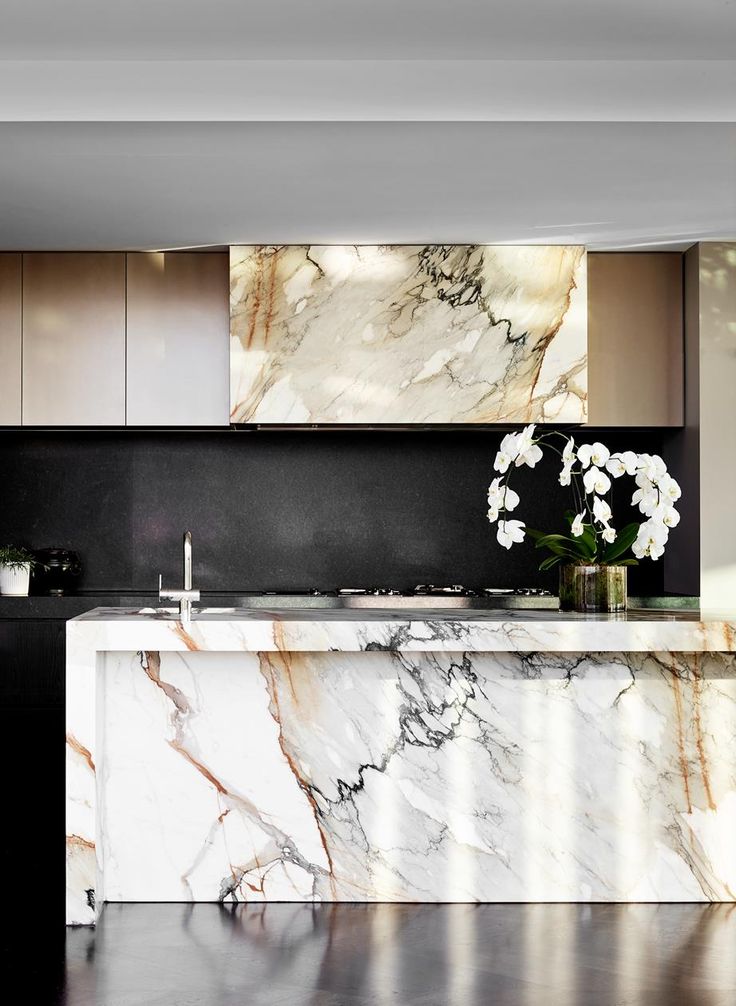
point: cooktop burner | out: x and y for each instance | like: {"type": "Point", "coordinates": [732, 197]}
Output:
{"type": "Point", "coordinates": [448, 590]}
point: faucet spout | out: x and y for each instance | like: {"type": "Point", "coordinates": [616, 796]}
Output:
{"type": "Point", "coordinates": [187, 594]}
{"type": "Point", "coordinates": [187, 560]}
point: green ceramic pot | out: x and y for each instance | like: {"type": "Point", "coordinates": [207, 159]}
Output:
{"type": "Point", "coordinates": [592, 588]}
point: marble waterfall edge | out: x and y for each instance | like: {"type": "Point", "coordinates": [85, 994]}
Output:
{"type": "Point", "coordinates": [408, 334]}
{"type": "Point", "coordinates": [378, 774]}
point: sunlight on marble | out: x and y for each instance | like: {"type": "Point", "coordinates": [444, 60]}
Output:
{"type": "Point", "coordinates": [394, 772]}
{"type": "Point", "coordinates": [408, 333]}
{"type": "Point", "coordinates": [532, 786]}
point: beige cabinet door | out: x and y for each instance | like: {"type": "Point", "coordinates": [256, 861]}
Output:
{"type": "Point", "coordinates": [10, 339]}
{"type": "Point", "coordinates": [178, 339]}
{"type": "Point", "coordinates": [73, 339]}
{"type": "Point", "coordinates": [635, 339]}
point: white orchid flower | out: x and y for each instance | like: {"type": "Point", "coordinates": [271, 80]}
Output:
{"type": "Point", "coordinates": [510, 499]}
{"type": "Point", "coordinates": [643, 481]}
{"type": "Point", "coordinates": [601, 510]}
{"type": "Point", "coordinates": [525, 438]}
{"type": "Point", "coordinates": [652, 467]}
{"type": "Point", "coordinates": [646, 499]}
{"type": "Point", "coordinates": [576, 528]}
{"type": "Point", "coordinates": [510, 531]}
{"type": "Point", "coordinates": [650, 540]}
{"type": "Point", "coordinates": [530, 457]}
{"type": "Point", "coordinates": [665, 514]}
{"type": "Point", "coordinates": [493, 514]}
{"type": "Point", "coordinates": [495, 492]}
{"type": "Point", "coordinates": [609, 534]}
{"type": "Point", "coordinates": [671, 517]}
{"type": "Point", "coordinates": [622, 464]}
{"type": "Point", "coordinates": [596, 481]}
{"type": "Point", "coordinates": [501, 497]}
{"type": "Point", "coordinates": [669, 488]}
{"type": "Point", "coordinates": [507, 452]}
{"type": "Point", "coordinates": [528, 453]}
{"type": "Point", "coordinates": [596, 454]}
{"type": "Point", "coordinates": [568, 460]}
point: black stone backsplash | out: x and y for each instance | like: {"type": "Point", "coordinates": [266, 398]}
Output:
{"type": "Point", "coordinates": [284, 510]}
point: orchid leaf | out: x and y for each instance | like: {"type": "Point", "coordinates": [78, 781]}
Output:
{"type": "Point", "coordinates": [561, 544]}
{"type": "Point", "coordinates": [625, 539]}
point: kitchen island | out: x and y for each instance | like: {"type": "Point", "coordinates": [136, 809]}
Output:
{"type": "Point", "coordinates": [382, 755]}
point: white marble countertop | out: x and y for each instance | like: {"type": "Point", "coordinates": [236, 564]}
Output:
{"type": "Point", "coordinates": [425, 630]}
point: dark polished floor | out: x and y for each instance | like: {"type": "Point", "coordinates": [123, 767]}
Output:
{"type": "Point", "coordinates": [448, 955]}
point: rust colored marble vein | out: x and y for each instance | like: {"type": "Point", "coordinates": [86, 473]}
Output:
{"type": "Point", "coordinates": [281, 646]}
{"type": "Point", "coordinates": [202, 769]}
{"type": "Point", "coordinates": [699, 739]}
{"type": "Point", "coordinates": [82, 843]}
{"type": "Point", "coordinates": [80, 749]}
{"type": "Point", "coordinates": [151, 665]}
{"type": "Point", "coordinates": [185, 637]}
{"type": "Point", "coordinates": [256, 300]}
{"type": "Point", "coordinates": [682, 753]}
{"type": "Point", "coordinates": [268, 671]}
{"type": "Point", "coordinates": [268, 318]}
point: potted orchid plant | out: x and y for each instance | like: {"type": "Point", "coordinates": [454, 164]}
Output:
{"type": "Point", "coordinates": [593, 555]}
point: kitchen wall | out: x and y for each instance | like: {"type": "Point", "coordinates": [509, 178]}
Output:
{"type": "Point", "coordinates": [282, 510]}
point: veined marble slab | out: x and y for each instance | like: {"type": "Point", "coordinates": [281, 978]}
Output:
{"type": "Point", "coordinates": [408, 334]}
{"type": "Point", "coordinates": [403, 630]}
{"type": "Point", "coordinates": [385, 761]}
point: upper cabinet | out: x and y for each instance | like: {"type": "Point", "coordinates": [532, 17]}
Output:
{"type": "Point", "coordinates": [11, 353]}
{"type": "Point", "coordinates": [73, 339]}
{"type": "Point", "coordinates": [346, 335]}
{"type": "Point", "coordinates": [177, 339]}
{"type": "Point", "coordinates": [408, 334]}
{"type": "Point", "coordinates": [635, 339]}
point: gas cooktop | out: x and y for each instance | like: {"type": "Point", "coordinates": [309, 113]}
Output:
{"type": "Point", "coordinates": [432, 590]}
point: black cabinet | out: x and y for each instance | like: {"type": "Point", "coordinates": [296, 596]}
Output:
{"type": "Point", "coordinates": [32, 657]}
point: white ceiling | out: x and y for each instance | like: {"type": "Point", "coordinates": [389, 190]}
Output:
{"type": "Point", "coordinates": [368, 29]}
{"type": "Point", "coordinates": [173, 123]}
{"type": "Point", "coordinates": [368, 90]}
{"type": "Point", "coordinates": [156, 185]}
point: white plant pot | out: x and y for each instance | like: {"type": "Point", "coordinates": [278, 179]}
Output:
{"type": "Point", "coordinates": [15, 580]}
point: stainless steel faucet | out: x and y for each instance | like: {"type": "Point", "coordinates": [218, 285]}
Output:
{"type": "Point", "coordinates": [187, 595]}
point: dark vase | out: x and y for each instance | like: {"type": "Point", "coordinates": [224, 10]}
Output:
{"type": "Point", "coordinates": [58, 573]}
{"type": "Point", "coordinates": [592, 588]}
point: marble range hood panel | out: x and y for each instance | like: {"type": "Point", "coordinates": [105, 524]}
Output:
{"type": "Point", "coordinates": [408, 334]}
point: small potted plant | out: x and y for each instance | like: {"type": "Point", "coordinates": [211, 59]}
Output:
{"type": "Point", "coordinates": [592, 555]}
{"type": "Point", "coordinates": [16, 564]}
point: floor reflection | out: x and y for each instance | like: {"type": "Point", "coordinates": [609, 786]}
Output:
{"type": "Point", "coordinates": [327, 955]}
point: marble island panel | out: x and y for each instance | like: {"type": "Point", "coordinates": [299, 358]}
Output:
{"type": "Point", "coordinates": [424, 629]}
{"type": "Point", "coordinates": [447, 757]}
